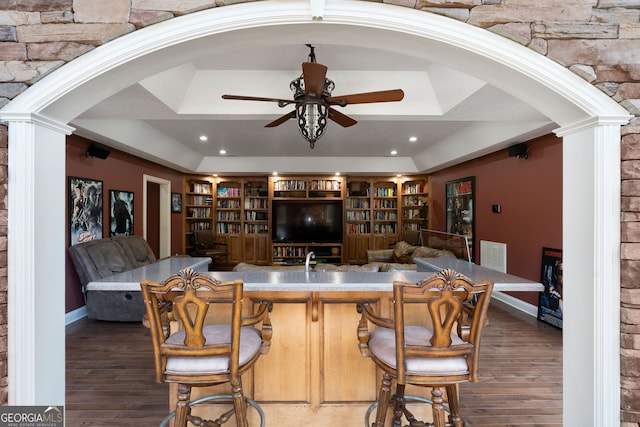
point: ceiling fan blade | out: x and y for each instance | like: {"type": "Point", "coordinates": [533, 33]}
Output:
{"type": "Point", "coordinates": [281, 120]}
{"type": "Point", "coordinates": [314, 75]}
{"type": "Point", "coordinates": [281, 102]}
{"type": "Point", "coordinates": [341, 119]}
{"type": "Point", "coordinates": [367, 97]}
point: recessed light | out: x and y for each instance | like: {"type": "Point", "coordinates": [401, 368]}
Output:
{"type": "Point", "coordinates": [215, 175]}
{"type": "Point", "coordinates": [337, 173]}
{"type": "Point", "coordinates": [274, 173]}
{"type": "Point", "coordinates": [223, 151]}
{"type": "Point", "coordinates": [413, 139]}
{"type": "Point", "coordinates": [203, 138]}
{"type": "Point", "coordinates": [394, 152]}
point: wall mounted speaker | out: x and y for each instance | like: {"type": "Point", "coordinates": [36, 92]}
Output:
{"type": "Point", "coordinates": [519, 150]}
{"type": "Point", "coordinates": [97, 152]}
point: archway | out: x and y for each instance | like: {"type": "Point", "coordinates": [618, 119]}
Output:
{"type": "Point", "coordinates": [589, 123]}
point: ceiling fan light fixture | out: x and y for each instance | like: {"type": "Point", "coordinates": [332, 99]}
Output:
{"type": "Point", "coordinates": [312, 120]}
{"type": "Point", "coordinates": [314, 103]}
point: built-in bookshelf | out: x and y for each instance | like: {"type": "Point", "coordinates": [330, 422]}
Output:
{"type": "Point", "coordinates": [228, 207]}
{"type": "Point", "coordinates": [295, 253]}
{"type": "Point", "coordinates": [306, 187]}
{"type": "Point", "coordinates": [358, 207]}
{"type": "Point", "coordinates": [321, 189]}
{"type": "Point", "coordinates": [375, 211]}
{"type": "Point", "coordinates": [385, 207]}
{"type": "Point", "coordinates": [415, 203]}
{"type": "Point", "coordinates": [198, 208]}
{"type": "Point", "coordinates": [256, 207]}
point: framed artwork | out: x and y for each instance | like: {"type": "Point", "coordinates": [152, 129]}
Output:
{"type": "Point", "coordinates": [120, 213]}
{"type": "Point", "coordinates": [550, 300]}
{"type": "Point", "coordinates": [460, 210]}
{"type": "Point", "coordinates": [85, 210]}
{"type": "Point", "coordinates": [176, 202]}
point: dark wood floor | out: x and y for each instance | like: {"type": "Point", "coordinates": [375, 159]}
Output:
{"type": "Point", "coordinates": [110, 376]}
{"type": "Point", "coordinates": [520, 373]}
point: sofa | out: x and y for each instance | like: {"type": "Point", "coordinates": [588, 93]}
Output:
{"type": "Point", "coordinates": [99, 259]}
{"type": "Point", "coordinates": [404, 252]}
{"type": "Point", "coordinates": [398, 258]}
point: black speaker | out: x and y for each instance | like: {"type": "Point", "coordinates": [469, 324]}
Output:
{"type": "Point", "coordinates": [519, 150]}
{"type": "Point", "coordinates": [97, 151]}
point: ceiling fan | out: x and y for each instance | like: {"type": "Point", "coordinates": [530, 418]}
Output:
{"type": "Point", "coordinates": [314, 102]}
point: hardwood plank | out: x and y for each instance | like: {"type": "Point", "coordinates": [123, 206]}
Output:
{"type": "Point", "coordinates": [111, 379]}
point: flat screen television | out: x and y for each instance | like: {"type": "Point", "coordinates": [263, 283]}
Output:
{"type": "Point", "coordinates": [314, 221]}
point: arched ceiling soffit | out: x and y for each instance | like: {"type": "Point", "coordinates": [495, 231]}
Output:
{"type": "Point", "coordinates": [468, 91]}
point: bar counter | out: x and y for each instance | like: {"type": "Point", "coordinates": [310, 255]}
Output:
{"type": "Point", "coordinates": [314, 281]}
{"type": "Point", "coordinates": [358, 281]}
{"type": "Point", "coordinates": [314, 374]}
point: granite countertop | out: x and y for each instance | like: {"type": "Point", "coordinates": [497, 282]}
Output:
{"type": "Point", "coordinates": [159, 270]}
{"type": "Point", "coordinates": [311, 281]}
{"type": "Point", "coordinates": [502, 281]}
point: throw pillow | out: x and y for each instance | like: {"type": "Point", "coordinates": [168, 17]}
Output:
{"type": "Point", "coordinates": [402, 252]}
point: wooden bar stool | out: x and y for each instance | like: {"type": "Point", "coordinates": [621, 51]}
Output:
{"type": "Point", "coordinates": [194, 353]}
{"type": "Point", "coordinates": [440, 355]}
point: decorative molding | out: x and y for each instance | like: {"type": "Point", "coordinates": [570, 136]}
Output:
{"type": "Point", "coordinates": [317, 9]}
{"type": "Point", "coordinates": [75, 315]}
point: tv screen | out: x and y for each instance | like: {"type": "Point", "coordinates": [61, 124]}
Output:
{"type": "Point", "coordinates": [307, 221]}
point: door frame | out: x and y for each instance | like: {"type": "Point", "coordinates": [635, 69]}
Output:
{"type": "Point", "coordinates": [164, 214]}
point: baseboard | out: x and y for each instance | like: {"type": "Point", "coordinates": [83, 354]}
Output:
{"type": "Point", "coordinates": [516, 303]}
{"type": "Point", "coordinates": [75, 315]}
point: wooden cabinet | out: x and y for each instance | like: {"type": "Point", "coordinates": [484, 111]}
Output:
{"type": "Point", "coordinates": [234, 244]}
{"type": "Point", "coordinates": [256, 249]}
{"type": "Point", "coordinates": [384, 213]}
{"type": "Point", "coordinates": [299, 187]}
{"type": "Point", "coordinates": [296, 241]}
{"type": "Point", "coordinates": [198, 209]}
{"type": "Point", "coordinates": [358, 220]}
{"type": "Point", "coordinates": [295, 253]}
{"type": "Point", "coordinates": [375, 211]}
{"type": "Point", "coordinates": [228, 207]}
{"type": "Point", "coordinates": [228, 217]}
{"type": "Point", "coordinates": [256, 221]}
{"type": "Point", "coordinates": [314, 370]}
{"type": "Point", "coordinates": [356, 246]}
{"type": "Point", "coordinates": [415, 202]}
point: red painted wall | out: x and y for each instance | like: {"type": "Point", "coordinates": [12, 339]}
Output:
{"type": "Point", "coordinates": [530, 194]}
{"type": "Point", "coordinates": [528, 190]}
{"type": "Point", "coordinates": [119, 171]}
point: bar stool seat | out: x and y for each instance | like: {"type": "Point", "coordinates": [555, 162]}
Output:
{"type": "Point", "coordinates": [192, 352]}
{"type": "Point", "coordinates": [440, 353]}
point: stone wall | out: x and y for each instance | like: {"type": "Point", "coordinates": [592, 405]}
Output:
{"type": "Point", "coordinates": [599, 40]}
